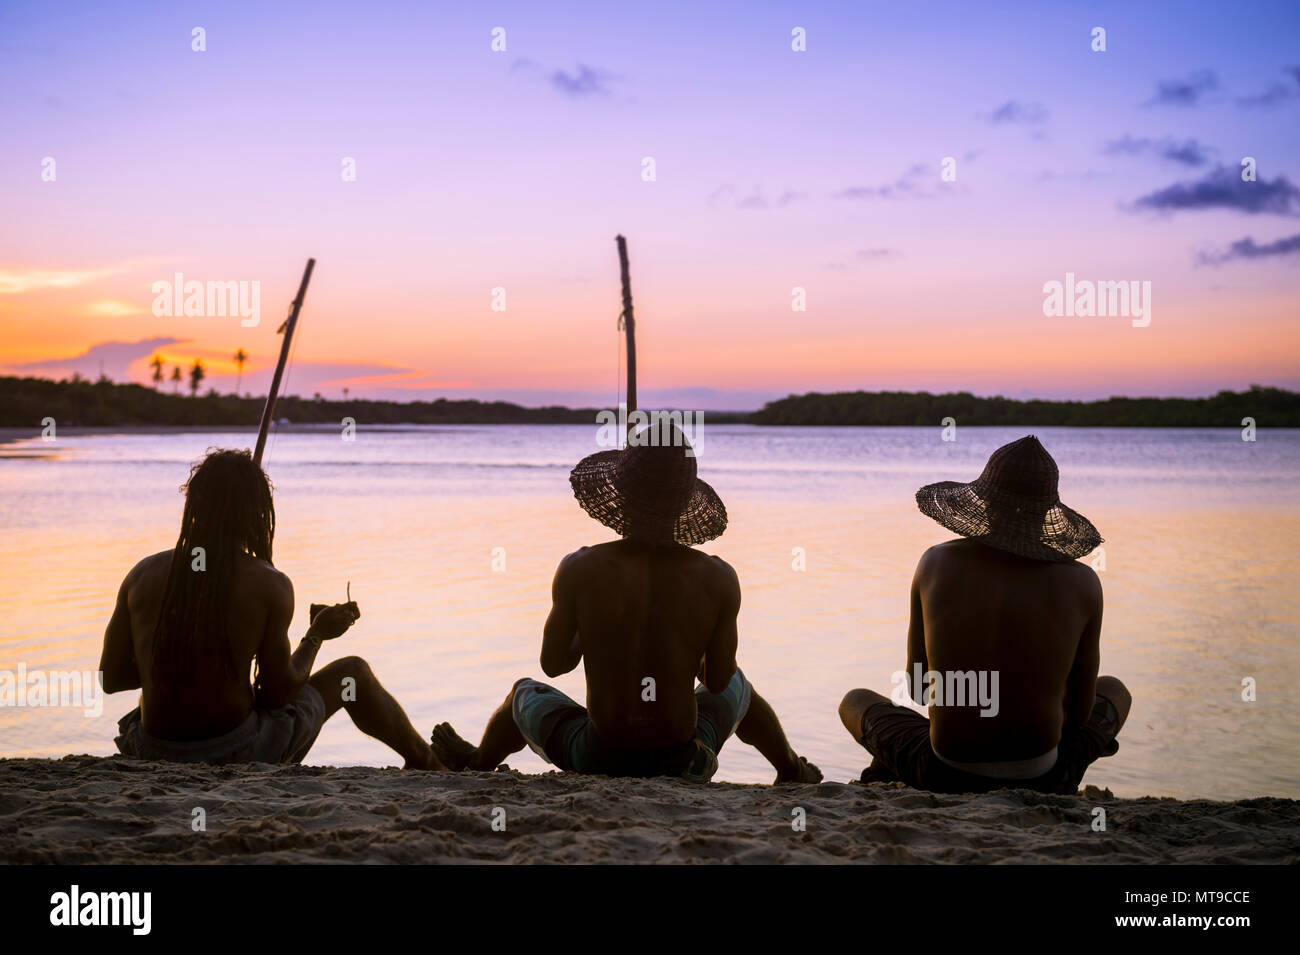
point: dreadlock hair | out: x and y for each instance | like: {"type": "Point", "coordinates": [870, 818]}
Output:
{"type": "Point", "coordinates": [228, 513]}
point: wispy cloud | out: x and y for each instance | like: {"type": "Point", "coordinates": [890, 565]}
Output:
{"type": "Point", "coordinates": [1014, 112]}
{"type": "Point", "coordinates": [112, 308]}
{"type": "Point", "coordinates": [1248, 248]}
{"type": "Point", "coordinates": [1184, 92]}
{"type": "Point", "coordinates": [113, 358]}
{"type": "Point", "coordinates": [18, 281]}
{"type": "Point", "coordinates": [1187, 152]}
{"type": "Point", "coordinates": [874, 253]}
{"type": "Point", "coordinates": [757, 199]}
{"type": "Point", "coordinates": [905, 186]}
{"type": "Point", "coordinates": [584, 81]}
{"type": "Point", "coordinates": [1277, 94]}
{"type": "Point", "coordinates": [1222, 188]}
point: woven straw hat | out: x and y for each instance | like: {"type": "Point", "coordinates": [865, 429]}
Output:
{"type": "Point", "coordinates": [649, 491]}
{"type": "Point", "coordinates": [1013, 506]}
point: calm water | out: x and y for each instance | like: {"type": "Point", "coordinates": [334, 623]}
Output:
{"type": "Point", "coordinates": [1199, 578]}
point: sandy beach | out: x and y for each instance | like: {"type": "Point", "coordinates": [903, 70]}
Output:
{"type": "Point", "coordinates": [88, 809]}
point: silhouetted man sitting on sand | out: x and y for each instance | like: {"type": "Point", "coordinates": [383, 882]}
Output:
{"type": "Point", "coordinates": [647, 614]}
{"type": "Point", "coordinates": [190, 621]}
{"type": "Point", "coordinates": [1003, 643]}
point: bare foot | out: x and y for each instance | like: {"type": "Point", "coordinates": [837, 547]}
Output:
{"type": "Point", "coordinates": [450, 749]}
{"type": "Point", "coordinates": [804, 772]}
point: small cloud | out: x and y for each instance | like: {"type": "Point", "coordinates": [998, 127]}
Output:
{"type": "Point", "coordinates": [1187, 152]}
{"type": "Point", "coordinates": [1248, 248]}
{"type": "Point", "coordinates": [585, 81]}
{"type": "Point", "coordinates": [757, 200]}
{"type": "Point", "coordinates": [18, 281]}
{"type": "Point", "coordinates": [113, 358]}
{"type": "Point", "coordinates": [1276, 94]}
{"type": "Point", "coordinates": [111, 308]}
{"type": "Point", "coordinates": [872, 254]}
{"type": "Point", "coordinates": [903, 187]}
{"type": "Point", "coordinates": [1222, 188]}
{"type": "Point", "coordinates": [1014, 112]}
{"type": "Point", "coordinates": [1184, 92]}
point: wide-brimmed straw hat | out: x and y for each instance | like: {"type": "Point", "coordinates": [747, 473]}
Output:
{"type": "Point", "coordinates": [1013, 505]}
{"type": "Point", "coordinates": [649, 491]}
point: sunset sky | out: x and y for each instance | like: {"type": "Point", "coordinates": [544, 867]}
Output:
{"type": "Point", "coordinates": [774, 169]}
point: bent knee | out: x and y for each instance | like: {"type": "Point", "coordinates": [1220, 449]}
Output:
{"type": "Point", "coordinates": [854, 705]}
{"type": "Point", "coordinates": [514, 688]}
{"type": "Point", "coordinates": [850, 703]}
{"type": "Point", "coordinates": [1114, 690]}
{"type": "Point", "coordinates": [354, 666]}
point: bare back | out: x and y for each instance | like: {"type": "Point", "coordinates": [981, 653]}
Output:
{"type": "Point", "coordinates": [217, 703]}
{"type": "Point", "coordinates": [636, 612]}
{"type": "Point", "coordinates": [1035, 623]}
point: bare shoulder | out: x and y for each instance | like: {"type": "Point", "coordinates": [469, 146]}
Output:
{"type": "Point", "coordinates": [1083, 577]}
{"type": "Point", "coordinates": [155, 566]}
{"type": "Point", "coordinates": [266, 579]}
{"type": "Point", "coordinates": [579, 558]}
{"type": "Point", "coordinates": [722, 579]}
{"type": "Point", "coordinates": [723, 571]}
{"type": "Point", "coordinates": [939, 556]}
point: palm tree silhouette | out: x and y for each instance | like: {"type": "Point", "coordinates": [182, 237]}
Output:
{"type": "Point", "coordinates": [240, 358]}
{"type": "Point", "coordinates": [197, 375]}
{"type": "Point", "coordinates": [176, 378]}
{"type": "Point", "coordinates": [157, 365]}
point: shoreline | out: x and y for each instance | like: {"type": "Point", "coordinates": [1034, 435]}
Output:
{"type": "Point", "coordinates": [111, 810]}
{"type": "Point", "coordinates": [9, 435]}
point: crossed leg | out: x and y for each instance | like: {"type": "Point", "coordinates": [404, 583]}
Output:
{"type": "Point", "coordinates": [760, 728]}
{"type": "Point", "coordinates": [373, 709]}
{"type": "Point", "coordinates": [854, 705]}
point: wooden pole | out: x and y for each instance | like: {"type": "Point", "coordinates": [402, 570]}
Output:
{"type": "Point", "coordinates": [268, 410]}
{"type": "Point", "coordinates": [629, 328]}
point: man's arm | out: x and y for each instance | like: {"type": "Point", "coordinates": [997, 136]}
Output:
{"type": "Point", "coordinates": [916, 638]}
{"type": "Point", "coordinates": [561, 644]}
{"type": "Point", "coordinates": [1081, 686]}
{"type": "Point", "coordinates": [282, 674]}
{"type": "Point", "coordinates": [719, 663]}
{"type": "Point", "coordinates": [117, 661]}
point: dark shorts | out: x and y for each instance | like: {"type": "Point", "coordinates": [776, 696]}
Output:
{"type": "Point", "coordinates": [560, 731]}
{"type": "Point", "coordinates": [899, 740]}
{"type": "Point", "coordinates": [267, 736]}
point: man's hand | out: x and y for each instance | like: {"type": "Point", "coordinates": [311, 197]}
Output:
{"type": "Point", "coordinates": [331, 622]}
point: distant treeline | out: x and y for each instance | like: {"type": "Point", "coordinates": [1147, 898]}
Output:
{"type": "Point", "coordinates": [81, 403]}
{"type": "Point", "coordinates": [1269, 407]}
{"type": "Point", "coordinates": [77, 402]}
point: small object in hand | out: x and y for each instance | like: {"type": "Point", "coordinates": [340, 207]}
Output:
{"type": "Point", "coordinates": [314, 609]}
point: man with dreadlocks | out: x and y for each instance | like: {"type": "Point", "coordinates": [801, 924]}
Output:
{"type": "Point", "coordinates": [190, 622]}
